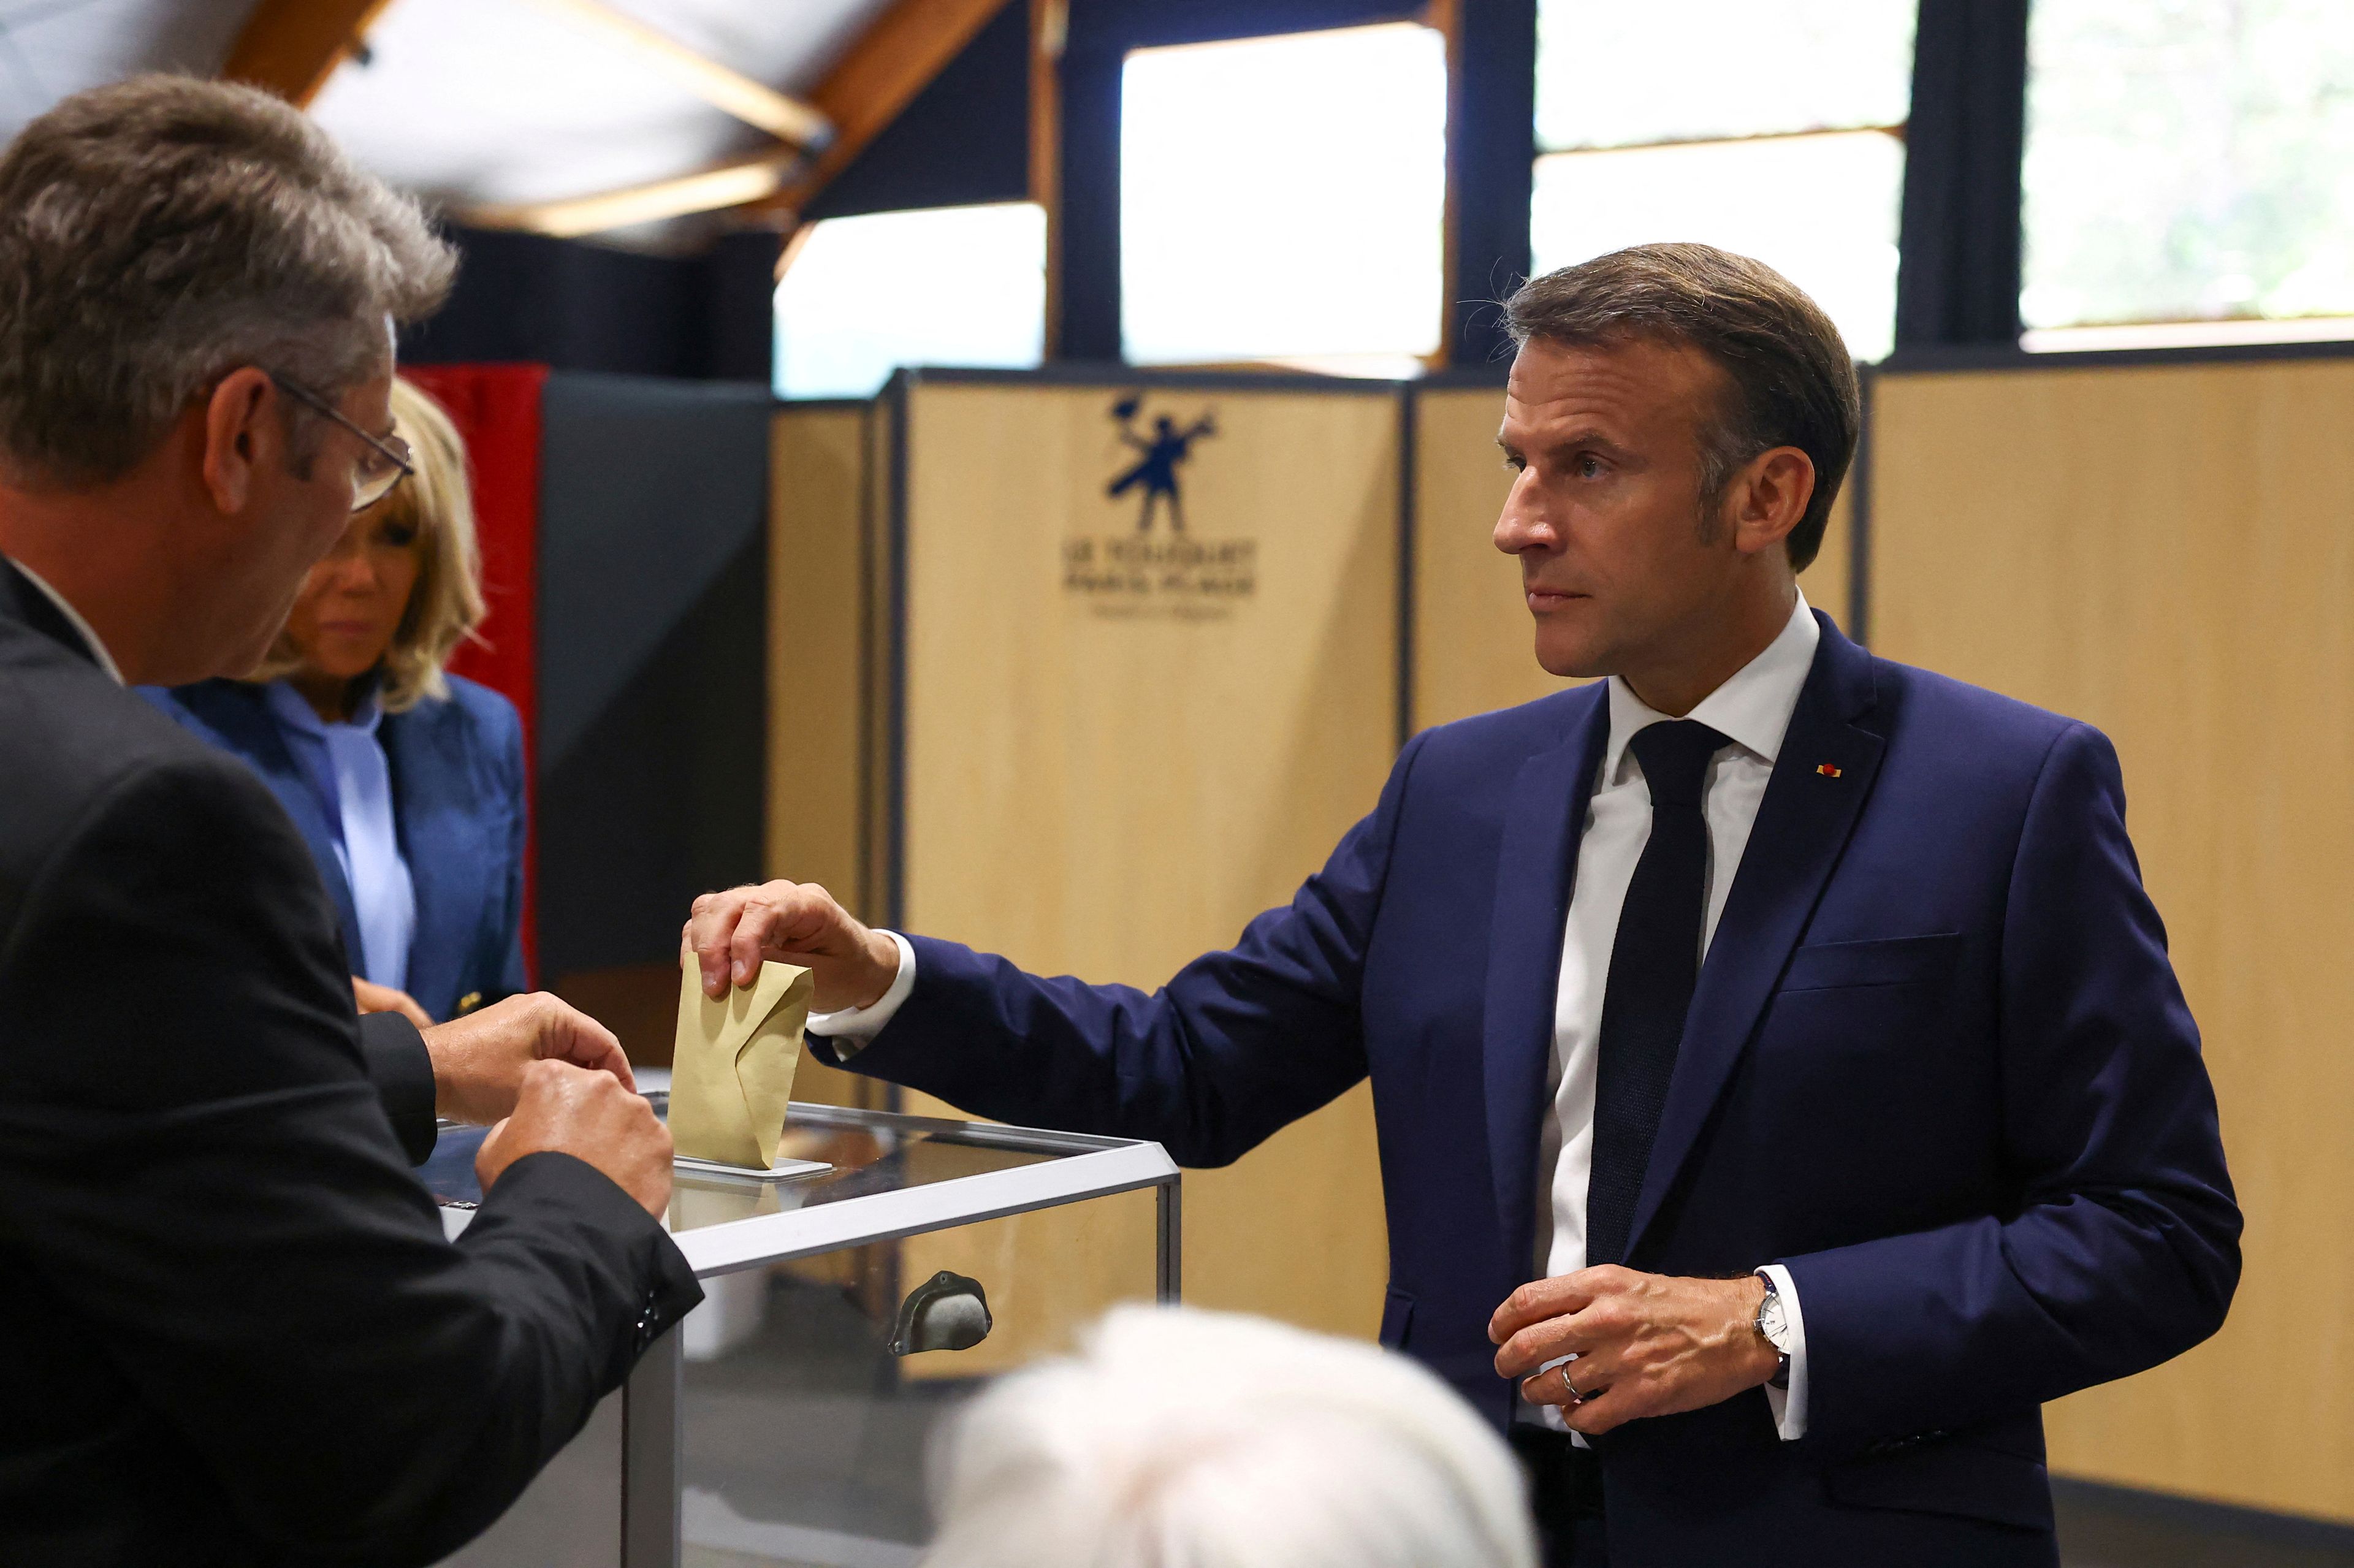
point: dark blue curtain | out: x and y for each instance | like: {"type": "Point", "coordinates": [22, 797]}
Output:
{"type": "Point", "coordinates": [1957, 281]}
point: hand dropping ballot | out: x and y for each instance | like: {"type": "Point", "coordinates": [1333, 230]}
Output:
{"type": "Point", "coordinates": [732, 1072]}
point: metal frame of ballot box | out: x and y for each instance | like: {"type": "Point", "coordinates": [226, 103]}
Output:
{"type": "Point", "coordinates": [651, 1404]}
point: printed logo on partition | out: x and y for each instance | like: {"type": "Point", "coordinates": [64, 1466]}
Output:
{"type": "Point", "coordinates": [1155, 567]}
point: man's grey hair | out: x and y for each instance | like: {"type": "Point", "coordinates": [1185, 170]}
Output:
{"type": "Point", "coordinates": [1178, 1438]}
{"type": "Point", "coordinates": [156, 234]}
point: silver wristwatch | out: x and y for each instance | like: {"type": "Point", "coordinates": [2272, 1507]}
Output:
{"type": "Point", "coordinates": [1775, 1328]}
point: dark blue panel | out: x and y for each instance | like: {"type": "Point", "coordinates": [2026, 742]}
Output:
{"type": "Point", "coordinates": [1957, 279]}
{"type": "Point", "coordinates": [965, 139]}
{"type": "Point", "coordinates": [652, 588]}
{"type": "Point", "coordinates": [571, 305]}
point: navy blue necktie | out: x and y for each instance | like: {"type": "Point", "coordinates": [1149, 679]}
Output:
{"type": "Point", "coordinates": [1654, 964]}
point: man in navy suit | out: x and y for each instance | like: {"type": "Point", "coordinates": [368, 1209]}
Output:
{"type": "Point", "coordinates": [1782, 1087]}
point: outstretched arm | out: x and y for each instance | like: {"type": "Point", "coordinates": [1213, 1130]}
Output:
{"type": "Point", "coordinates": [1237, 1044]}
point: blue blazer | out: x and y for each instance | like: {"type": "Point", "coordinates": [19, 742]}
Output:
{"type": "Point", "coordinates": [457, 804]}
{"type": "Point", "coordinates": [1936, 1064]}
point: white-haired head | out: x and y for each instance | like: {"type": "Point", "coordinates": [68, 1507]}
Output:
{"type": "Point", "coordinates": [1178, 1438]}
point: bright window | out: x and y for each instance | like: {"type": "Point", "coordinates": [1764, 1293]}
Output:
{"type": "Point", "coordinates": [1770, 127]}
{"type": "Point", "coordinates": [1284, 198]}
{"type": "Point", "coordinates": [944, 286]}
{"type": "Point", "coordinates": [2189, 162]}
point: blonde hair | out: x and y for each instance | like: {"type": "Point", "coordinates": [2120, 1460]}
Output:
{"type": "Point", "coordinates": [445, 604]}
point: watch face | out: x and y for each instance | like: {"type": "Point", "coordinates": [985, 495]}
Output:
{"type": "Point", "coordinates": [1769, 1319]}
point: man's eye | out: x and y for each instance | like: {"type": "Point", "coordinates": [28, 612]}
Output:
{"type": "Point", "coordinates": [1587, 466]}
{"type": "Point", "coordinates": [1514, 462]}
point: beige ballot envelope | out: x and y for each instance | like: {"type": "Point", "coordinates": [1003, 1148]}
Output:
{"type": "Point", "coordinates": [733, 1070]}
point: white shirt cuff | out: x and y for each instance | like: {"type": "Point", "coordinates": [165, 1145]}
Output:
{"type": "Point", "coordinates": [853, 1027]}
{"type": "Point", "coordinates": [1790, 1403]}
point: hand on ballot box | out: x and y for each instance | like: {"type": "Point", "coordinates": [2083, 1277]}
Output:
{"type": "Point", "coordinates": [591, 1116]}
{"type": "Point", "coordinates": [731, 1073]}
{"type": "Point", "coordinates": [733, 932]}
{"type": "Point", "coordinates": [479, 1061]}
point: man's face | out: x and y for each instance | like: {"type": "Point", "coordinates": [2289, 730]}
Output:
{"type": "Point", "coordinates": [1605, 514]}
{"type": "Point", "coordinates": [296, 513]}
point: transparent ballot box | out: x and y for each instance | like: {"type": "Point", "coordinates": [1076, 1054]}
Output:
{"type": "Point", "coordinates": [847, 1311]}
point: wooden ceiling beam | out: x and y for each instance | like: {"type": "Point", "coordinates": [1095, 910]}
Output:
{"type": "Point", "coordinates": [292, 46]}
{"type": "Point", "coordinates": [755, 103]}
{"type": "Point", "coordinates": [893, 61]}
{"type": "Point", "coordinates": [730, 185]}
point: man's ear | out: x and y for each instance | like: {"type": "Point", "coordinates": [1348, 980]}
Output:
{"type": "Point", "coordinates": [1768, 498]}
{"type": "Point", "coordinates": [243, 432]}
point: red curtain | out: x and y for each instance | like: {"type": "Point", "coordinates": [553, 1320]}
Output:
{"type": "Point", "coordinates": [496, 408]}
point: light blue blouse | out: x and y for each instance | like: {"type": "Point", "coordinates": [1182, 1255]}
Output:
{"type": "Point", "coordinates": [346, 766]}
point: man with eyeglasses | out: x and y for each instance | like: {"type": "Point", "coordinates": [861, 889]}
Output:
{"type": "Point", "coordinates": [238, 1333]}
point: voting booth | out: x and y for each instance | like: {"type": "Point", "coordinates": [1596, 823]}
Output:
{"type": "Point", "coordinates": [1089, 669]}
{"type": "Point", "coordinates": [786, 1420]}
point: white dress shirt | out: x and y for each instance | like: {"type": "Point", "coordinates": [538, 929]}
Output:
{"type": "Point", "coordinates": [348, 771]}
{"type": "Point", "coordinates": [1753, 711]}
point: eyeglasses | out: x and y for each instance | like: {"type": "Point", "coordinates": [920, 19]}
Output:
{"type": "Point", "coordinates": [376, 475]}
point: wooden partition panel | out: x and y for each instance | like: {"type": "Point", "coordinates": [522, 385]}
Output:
{"type": "Point", "coordinates": [1474, 647]}
{"type": "Point", "coordinates": [1473, 642]}
{"type": "Point", "coordinates": [2168, 554]}
{"type": "Point", "coordinates": [819, 520]}
{"type": "Point", "coordinates": [1119, 743]}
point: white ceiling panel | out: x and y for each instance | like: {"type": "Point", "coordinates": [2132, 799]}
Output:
{"type": "Point", "coordinates": [50, 48]}
{"type": "Point", "coordinates": [497, 101]}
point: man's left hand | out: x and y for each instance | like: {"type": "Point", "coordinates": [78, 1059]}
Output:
{"type": "Point", "coordinates": [479, 1060]}
{"type": "Point", "coordinates": [1647, 1344]}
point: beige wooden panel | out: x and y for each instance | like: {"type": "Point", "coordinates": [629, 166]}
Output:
{"type": "Point", "coordinates": [2168, 554]}
{"type": "Point", "coordinates": [1474, 644]}
{"type": "Point", "coordinates": [817, 610]}
{"type": "Point", "coordinates": [1108, 786]}
{"type": "Point", "coordinates": [1474, 648]}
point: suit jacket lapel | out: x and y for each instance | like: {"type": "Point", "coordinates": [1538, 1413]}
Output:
{"type": "Point", "coordinates": [243, 719]}
{"type": "Point", "coordinates": [1536, 868]}
{"type": "Point", "coordinates": [442, 861]}
{"type": "Point", "coordinates": [1802, 826]}
{"type": "Point", "coordinates": [22, 601]}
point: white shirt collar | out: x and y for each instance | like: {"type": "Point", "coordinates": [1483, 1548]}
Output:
{"type": "Point", "coordinates": [1751, 709]}
{"type": "Point", "coordinates": [73, 619]}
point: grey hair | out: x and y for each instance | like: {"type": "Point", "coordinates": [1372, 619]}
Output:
{"type": "Point", "coordinates": [161, 231]}
{"type": "Point", "coordinates": [1178, 1438]}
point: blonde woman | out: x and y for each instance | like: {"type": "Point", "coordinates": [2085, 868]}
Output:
{"type": "Point", "coordinates": [405, 781]}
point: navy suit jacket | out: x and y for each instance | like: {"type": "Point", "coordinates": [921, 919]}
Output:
{"type": "Point", "coordinates": [1936, 1064]}
{"type": "Point", "coordinates": [458, 805]}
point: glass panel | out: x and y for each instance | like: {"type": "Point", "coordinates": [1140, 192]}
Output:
{"type": "Point", "coordinates": [1822, 209]}
{"type": "Point", "coordinates": [2188, 161]}
{"type": "Point", "coordinates": [945, 286]}
{"type": "Point", "coordinates": [869, 1152]}
{"type": "Point", "coordinates": [1611, 75]}
{"type": "Point", "coordinates": [805, 1433]}
{"type": "Point", "coordinates": [1284, 198]}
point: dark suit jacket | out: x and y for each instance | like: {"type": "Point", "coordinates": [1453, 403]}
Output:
{"type": "Point", "coordinates": [1938, 1064]}
{"type": "Point", "coordinates": [457, 804]}
{"type": "Point", "coordinates": [237, 1335]}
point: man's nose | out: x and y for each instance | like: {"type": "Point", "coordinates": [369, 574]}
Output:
{"type": "Point", "coordinates": [1523, 525]}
